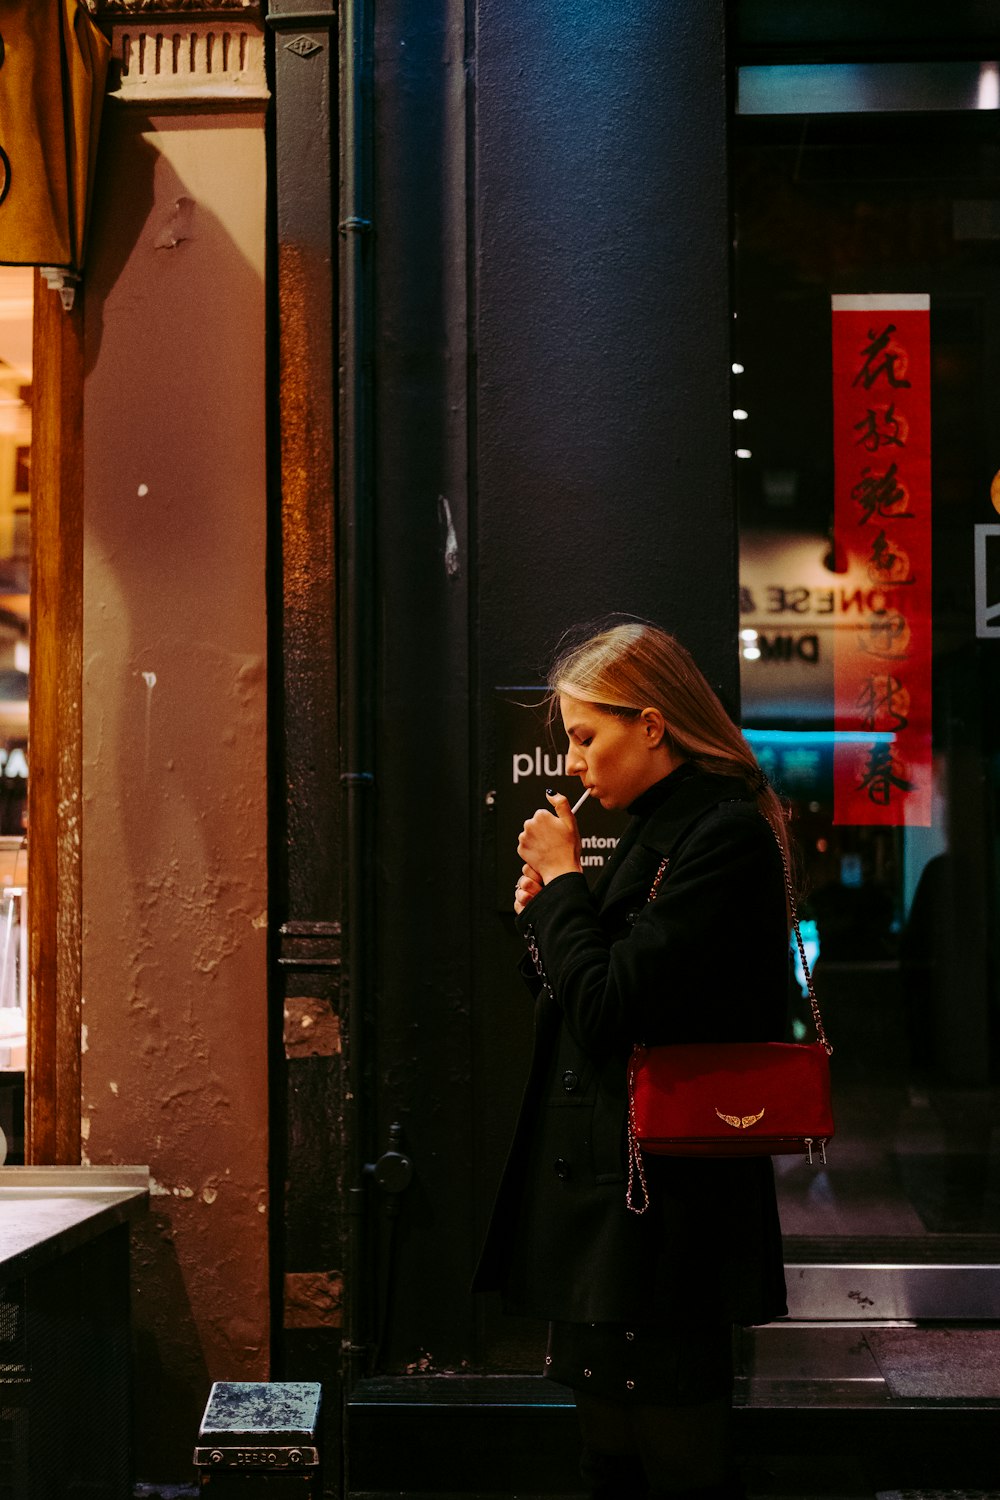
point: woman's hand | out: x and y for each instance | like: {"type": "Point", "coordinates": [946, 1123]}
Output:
{"type": "Point", "coordinates": [527, 889]}
{"type": "Point", "coordinates": [549, 845]}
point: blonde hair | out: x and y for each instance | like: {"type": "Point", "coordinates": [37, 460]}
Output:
{"type": "Point", "coordinates": [628, 667]}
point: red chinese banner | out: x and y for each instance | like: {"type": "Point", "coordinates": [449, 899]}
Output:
{"type": "Point", "coordinates": [882, 532]}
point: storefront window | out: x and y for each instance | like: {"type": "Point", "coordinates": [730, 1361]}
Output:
{"type": "Point", "coordinates": [900, 906]}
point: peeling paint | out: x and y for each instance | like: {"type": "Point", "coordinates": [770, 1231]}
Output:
{"type": "Point", "coordinates": [451, 562]}
{"type": "Point", "coordinates": [178, 225]}
{"type": "Point", "coordinates": [149, 678]}
{"type": "Point", "coordinates": [314, 1299]}
{"type": "Point", "coordinates": [114, 1088]}
{"type": "Point", "coordinates": [312, 1028]}
{"type": "Point", "coordinates": [142, 491]}
{"type": "Point", "coordinates": [84, 1043]}
{"type": "Point", "coordinates": [85, 1127]}
{"type": "Point", "coordinates": [209, 1194]}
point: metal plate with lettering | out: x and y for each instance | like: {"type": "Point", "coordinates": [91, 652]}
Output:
{"type": "Point", "coordinates": [256, 1458]}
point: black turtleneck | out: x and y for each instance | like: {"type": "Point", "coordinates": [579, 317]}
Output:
{"type": "Point", "coordinates": [642, 808]}
{"type": "Point", "coordinates": [649, 800]}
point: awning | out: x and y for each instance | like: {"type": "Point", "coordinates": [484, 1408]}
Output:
{"type": "Point", "coordinates": [53, 66]}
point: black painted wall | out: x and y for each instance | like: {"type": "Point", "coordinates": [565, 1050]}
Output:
{"type": "Point", "coordinates": [552, 440]}
{"type": "Point", "coordinates": [603, 454]}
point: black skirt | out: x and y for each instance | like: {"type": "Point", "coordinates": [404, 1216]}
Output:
{"type": "Point", "coordinates": [655, 1364]}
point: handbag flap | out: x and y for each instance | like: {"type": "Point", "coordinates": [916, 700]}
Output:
{"type": "Point", "coordinates": [737, 1091]}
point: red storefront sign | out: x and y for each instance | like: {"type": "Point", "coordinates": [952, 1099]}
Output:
{"type": "Point", "coordinates": [882, 530]}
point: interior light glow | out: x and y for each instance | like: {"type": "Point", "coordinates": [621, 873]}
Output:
{"type": "Point", "coordinates": [748, 634]}
{"type": "Point", "coordinates": [740, 414]}
{"type": "Point", "coordinates": [737, 369]}
{"type": "Point", "coordinates": [744, 453]}
{"type": "Point", "coordinates": [988, 88]}
{"type": "Point", "coordinates": [751, 653]}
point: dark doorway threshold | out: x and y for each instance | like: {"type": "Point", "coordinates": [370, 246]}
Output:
{"type": "Point", "coordinates": [815, 1415]}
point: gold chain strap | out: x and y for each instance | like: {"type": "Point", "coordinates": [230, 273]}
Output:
{"type": "Point", "coordinates": [536, 959]}
{"type": "Point", "coordinates": [635, 1163]}
{"type": "Point", "coordinates": [814, 1003]}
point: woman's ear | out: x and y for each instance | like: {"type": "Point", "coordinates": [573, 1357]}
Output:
{"type": "Point", "coordinates": [654, 727]}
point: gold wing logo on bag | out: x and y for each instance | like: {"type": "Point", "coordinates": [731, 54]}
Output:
{"type": "Point", "coordinates": [740, 1122]}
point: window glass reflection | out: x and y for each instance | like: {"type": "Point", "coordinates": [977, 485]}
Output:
{"type": "Point", "coordinates": [903, 918]}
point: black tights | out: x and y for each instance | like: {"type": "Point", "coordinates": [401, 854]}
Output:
{"type": "Point", "coordinates": [670, 1449]}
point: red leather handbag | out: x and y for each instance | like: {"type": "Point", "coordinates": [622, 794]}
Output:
{"type": "Point", "coordinates": [729, 1099]}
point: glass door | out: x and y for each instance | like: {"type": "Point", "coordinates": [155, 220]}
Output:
{"type": "Point", "coordinates": [893, 191]}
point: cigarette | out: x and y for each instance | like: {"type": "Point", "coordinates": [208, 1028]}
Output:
{"type": "Point", "coordinates": [577, 805]}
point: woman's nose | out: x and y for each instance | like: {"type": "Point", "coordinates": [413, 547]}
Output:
{"type": "Point", "coordinates": [575, 763]}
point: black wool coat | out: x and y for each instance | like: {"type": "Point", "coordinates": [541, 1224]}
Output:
{"type": "Point", "coordinates": [707, 961]}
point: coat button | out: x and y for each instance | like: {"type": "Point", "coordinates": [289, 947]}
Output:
{"type": "Point", "coordinates": [630, 917]}
{"type": "Point", "coordinates": [562, 1168]}
{"type": "Point", "coordinates": [570, 1080]}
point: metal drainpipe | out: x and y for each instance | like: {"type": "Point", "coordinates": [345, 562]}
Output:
{"type": "Point", "coordinates": [356, 634]}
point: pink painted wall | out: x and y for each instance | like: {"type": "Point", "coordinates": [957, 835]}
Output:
{"type": "Point", "coordinates": [174, 827]}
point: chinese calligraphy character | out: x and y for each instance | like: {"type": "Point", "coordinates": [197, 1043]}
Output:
{"type": "Point", "coordinates": [875, 436]}
{"type": "Point", "coordinates": [887, 636]}
{"type": "Point", "coordinates": [883, 775]}
{"type": "Point", "coordinates": [879, 494]}
{"type": "Point", "coordinates": [884, 703]}
{"type": "Point", "coordinates": [888, 563]}
{"type": "Point", "coordinates": [880, 359]}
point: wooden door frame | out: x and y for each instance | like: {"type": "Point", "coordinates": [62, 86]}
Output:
{"type": "Point", "coordinates": [55, 727]}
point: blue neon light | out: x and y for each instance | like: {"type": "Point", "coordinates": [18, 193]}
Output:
{"type": "Point", "coordinates": [818, 737]}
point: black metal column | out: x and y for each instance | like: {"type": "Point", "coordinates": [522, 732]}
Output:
{"type": "Point", "coordinates": [307, 1127]}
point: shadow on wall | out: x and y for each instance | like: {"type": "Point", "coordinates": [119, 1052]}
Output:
{"type": "Point", "coordinates": [175, 895]}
